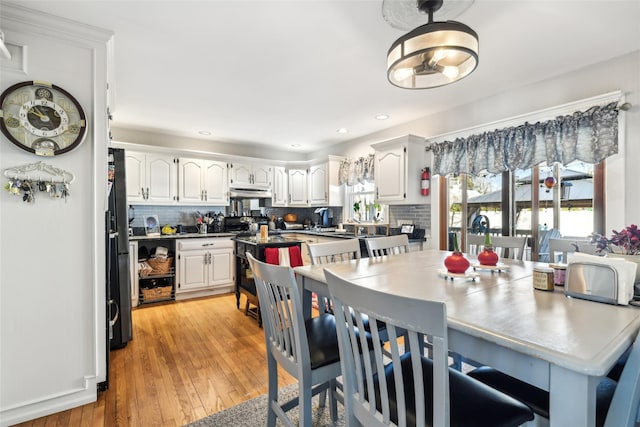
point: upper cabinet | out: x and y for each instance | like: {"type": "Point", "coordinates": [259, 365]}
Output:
{"type": "Point", "coordinates": [202, 182]}
{"type": "Point", "coordinates": [245, 175]}
{"type": "Point", "coordinates": [298, 187]}
{"type": "Point", "coordinates": [398, 168]}
{"type": "Point", "coordinates": [324, 189]}
{"type": "Point", "coordinates": [151, 178]}
{"type": "Point", "coordinates": [280, 189]}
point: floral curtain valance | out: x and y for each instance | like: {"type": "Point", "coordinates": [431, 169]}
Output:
{"type": "Point", "coordinates": [353, 171]}
{"type": "Point", "coordinates": [589, 136]}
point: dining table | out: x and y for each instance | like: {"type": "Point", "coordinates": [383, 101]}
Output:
{"type": "Point", "coordinates": [561, 344]}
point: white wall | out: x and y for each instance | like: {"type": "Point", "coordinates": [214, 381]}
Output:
{"type": "Point", "coordinates": [52, 256]}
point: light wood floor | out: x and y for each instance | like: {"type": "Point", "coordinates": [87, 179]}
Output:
{"type": "Point", "coordinates": [187, 360]}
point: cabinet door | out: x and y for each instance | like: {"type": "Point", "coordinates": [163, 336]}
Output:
{"type": "Point", "coordinates": [193, 270]}
{"type": "Point", "coordinates": [241, 174]}
{"type": "Point", "coordinates": [262, 176]}
{"type": "Point", "coordinates": [280, 189]}
{"type": "Point", "coordinates": [298, 187]}
{"type": "Point", "coordinates": [190, 189]}
{"type": "Point", "coordinates": [318, 185]}
{"type": "Point", "coordinates": [216, 190]}
{"type": "Point", "coordinates": [161, 179]}
{"type": "Point", "coordinates": [390, 172]}
{"type": "Point", "coordinates": [220, 268]}
{"type": "Point", "coordinates": [135, 175]}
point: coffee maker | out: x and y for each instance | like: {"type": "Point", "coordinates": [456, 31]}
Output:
{"type": "Point", "coordinates": [323, 214]}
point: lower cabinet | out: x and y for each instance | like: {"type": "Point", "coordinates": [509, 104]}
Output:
{"type": "Point", "coordinates": [205, 266]}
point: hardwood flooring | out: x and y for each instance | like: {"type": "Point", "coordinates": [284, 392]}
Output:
{"type": "Point", "coordinates": [187, 360]}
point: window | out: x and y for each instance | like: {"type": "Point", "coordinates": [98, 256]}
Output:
{"type": "Point", "coordinates": [362, 195]}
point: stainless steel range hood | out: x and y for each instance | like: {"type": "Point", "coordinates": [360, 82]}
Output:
{"type": "Point", "coordinates": [249, 193]}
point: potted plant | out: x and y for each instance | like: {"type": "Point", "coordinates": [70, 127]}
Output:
{"type": "Point", "coordinates": [456, 263]}
{"type": "Point", "coordinates": [356, 210]}
{"type": "Point", "coordinates": [487, 256]}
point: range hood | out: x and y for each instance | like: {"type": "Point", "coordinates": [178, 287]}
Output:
{"type": "Point", "coordinates": [250, 193]}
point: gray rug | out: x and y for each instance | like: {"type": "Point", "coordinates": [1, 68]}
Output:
{"type": "Point", "coordinates": [253, 413]}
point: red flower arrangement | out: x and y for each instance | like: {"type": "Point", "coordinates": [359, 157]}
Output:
{"type": "Point", "coordinates": [625, 241]}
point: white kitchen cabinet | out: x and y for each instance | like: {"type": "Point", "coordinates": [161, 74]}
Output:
{"type": "Point", "coordinates": [205, 267]}
{"type": "Point", "coordinates": [298, 187]}
{"type": "Point", "coordinates": [398, 167]}
{"type": "Point", "coordinates": [133, 273]}
{"type": "Point", "coordinates": [324, 189]}
{"type": "Point", "coordinates": [202, 182]}
{"type": "Point", "coordinates": [249, 175]}
{"type": "Point", "coordinates": [318, 185]}
{"type": "Point", "coordinates": [151, 178]}
{"type": "Point", "coordinates": [280, 189]}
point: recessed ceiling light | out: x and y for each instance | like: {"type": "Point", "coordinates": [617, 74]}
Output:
{"type": "Point", "coordinates": [342, 130]}
{"type": "Point", "coordinates": [295, 145]}
{"type": "Point", "coordinates": [382, 117]}
{"type": "Point", "coordinates": [204, 132]}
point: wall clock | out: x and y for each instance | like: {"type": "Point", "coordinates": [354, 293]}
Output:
{"type": "Point", "coordinates": [42, 118]}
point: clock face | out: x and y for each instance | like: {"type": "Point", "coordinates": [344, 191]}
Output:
{"type": "Point", "coordinates": [42, 118]}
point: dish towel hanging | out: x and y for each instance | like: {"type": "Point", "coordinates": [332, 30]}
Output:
{"type": "Point", "coordinates": [284, 256]}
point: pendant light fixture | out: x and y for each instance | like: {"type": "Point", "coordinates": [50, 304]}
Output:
{"type": "Point", "coordinates": [434, 54]}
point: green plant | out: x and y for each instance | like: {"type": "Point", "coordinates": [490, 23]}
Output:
{"type": "Point", "coordinates": [356, 206]}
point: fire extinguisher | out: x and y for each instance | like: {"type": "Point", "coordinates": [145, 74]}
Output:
{"type": "Point", "coordinates": [424, 182]}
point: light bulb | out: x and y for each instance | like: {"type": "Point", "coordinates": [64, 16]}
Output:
{"type": "Point", "coordinates": [450, 72]}
{"type": "Point", "coordinates": [402, 73]}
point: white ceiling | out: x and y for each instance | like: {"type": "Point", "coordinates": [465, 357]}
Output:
{"type": "Point", "coordinates": [278, 73]}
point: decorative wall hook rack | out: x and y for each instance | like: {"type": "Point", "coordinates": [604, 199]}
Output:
{"type": "Point", "coordinates": [20, 183]}
{"type": "Point", "coordinates": [20, 171]}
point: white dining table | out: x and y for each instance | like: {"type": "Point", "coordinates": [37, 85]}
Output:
{"type": "Point", "coordinates": [560, 344]}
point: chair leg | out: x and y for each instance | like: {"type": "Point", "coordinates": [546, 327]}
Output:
{"type": "Point", "coordinates": [333, 401]}
{"type": "Point", "coordinates": [273, 390]}
{"type": "Point", "coordinates": [304, 405]}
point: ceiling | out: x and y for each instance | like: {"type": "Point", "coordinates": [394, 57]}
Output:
{"type": "Point", "coordinates": [285, 73]}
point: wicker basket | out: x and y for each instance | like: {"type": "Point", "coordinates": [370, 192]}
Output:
{"type": "Point", "coordinates": [160, 266]}
{"type": "Point", "coordinates": [154, 294]}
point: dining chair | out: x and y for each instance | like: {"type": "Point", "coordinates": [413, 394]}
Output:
{"type": "Point", "coordinates": [510, 247]}
{"type": "Point", "coordinates": [387, 245]}
{"type": "Point", "coordinates": [340, 250]}
{"type": "Point", "coordinates": [617, 403]}
{"type": "Point", "coordinates": [411, 389]}
{"type": "Point", "coordinates": [474, 244]}
{"type": "Point", "coordinates": [307, 350]}
{"type": "Point", "coordinates": [567, 246]}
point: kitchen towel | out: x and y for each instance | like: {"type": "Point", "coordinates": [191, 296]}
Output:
{"type": "Point", "coordinates": [283, 256]}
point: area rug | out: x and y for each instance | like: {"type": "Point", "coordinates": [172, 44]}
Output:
{"type": "Point", "coordinates": [253, 413]}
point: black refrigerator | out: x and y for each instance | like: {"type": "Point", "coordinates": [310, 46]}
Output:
{"type": "Point", "coordinates": [118, 284]}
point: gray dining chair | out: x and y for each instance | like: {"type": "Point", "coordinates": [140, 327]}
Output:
{"type": "Point", "coordinates": [340, 250]}
{"type": "Point", "coordinates": [307, 350]}
{"type": "Point", "coordinates": [511, 247]}
{"type": "Point", "coordinates": [387, 245]}
{"type": "Point", "coordinates": [474, 244]}
{"type": "Point", "coordinates": [566, 246]}
{"type": "Point", "coordinates": [617, 403]}
{"type": "Point", "coordinates": [411, 389]}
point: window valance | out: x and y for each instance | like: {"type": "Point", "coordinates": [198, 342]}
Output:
{"type": "Point", "coordinates": [589, 136]}
{"type": "Point", "coordinates": [353, 171]}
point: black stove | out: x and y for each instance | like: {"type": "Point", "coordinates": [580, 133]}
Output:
{"type": "Point", "coordinates": [240, 224]}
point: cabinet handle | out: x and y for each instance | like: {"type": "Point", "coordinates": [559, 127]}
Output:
{"type": "Point", "coordinates": [206, 196]}
{"type": "Point", "coordinates": [204, 261]}
{"type": "Point", "coordinates": [210, 258]}
{"type": "Point", "coordinates": [142, 190]}
{"type": "Point", "coordinates": [326, 196]}
{"type": "Point", "coordinates": [147, 194]}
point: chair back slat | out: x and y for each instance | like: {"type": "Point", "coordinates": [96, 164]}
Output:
{"type": "Point", "coordinates": [474, 243]}
{"type": "Point", "coordinates": [387, 245]}
{"type": "Point", "coordinates": [328, 252]}
{"type": "Point", "coordinates": [566, 246]}
{"type": "Point", "coordinates": [281, 312]}
{"type": "Point", "coordinates": [404, 317]}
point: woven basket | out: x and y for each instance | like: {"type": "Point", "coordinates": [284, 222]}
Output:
{"type": "Point", "coordinates": [155, 294]}
{"type": "Point", "coordinates": [160, 266]}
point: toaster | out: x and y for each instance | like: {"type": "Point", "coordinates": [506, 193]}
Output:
{"type": "Point", "coordinates": [591, 281]}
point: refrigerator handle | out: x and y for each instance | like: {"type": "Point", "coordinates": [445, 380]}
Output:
{"type": "Point", "coordinates": [113, 321]}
